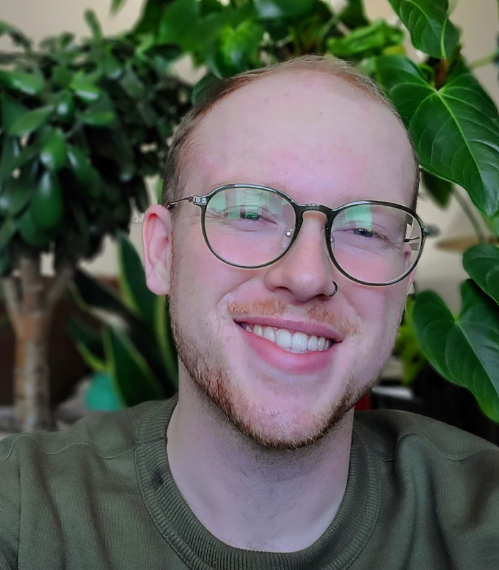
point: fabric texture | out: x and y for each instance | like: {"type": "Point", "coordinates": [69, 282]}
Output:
{"type": "Point", "coordinates": [420, 494]}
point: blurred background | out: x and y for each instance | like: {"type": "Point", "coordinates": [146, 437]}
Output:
{"type": "Point", "coordinates": [440, 269]}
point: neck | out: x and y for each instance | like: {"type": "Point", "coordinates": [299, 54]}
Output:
{"type": "Point", "coordinates": [250, 497]}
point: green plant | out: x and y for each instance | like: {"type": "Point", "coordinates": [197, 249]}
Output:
{"type": "Point", "coordinates": [134, 346]}
{"type": "Point", "coordinates": [453, 122]}
{"type": "Point", "coordinates": [81, 127]}
{"type": "Point", "coordinates": [407, 346]}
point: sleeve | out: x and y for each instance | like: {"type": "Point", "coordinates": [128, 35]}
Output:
{"type": "Point", "coordinates": [9, 503]}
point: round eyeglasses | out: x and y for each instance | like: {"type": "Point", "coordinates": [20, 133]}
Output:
{"type": "Point", "coordinates": [250, 226]}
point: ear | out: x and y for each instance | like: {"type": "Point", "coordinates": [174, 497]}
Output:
{"type": "Point", "coordinates": [410, 280]}
{"type": "Point", "coordinates": [157, 241]}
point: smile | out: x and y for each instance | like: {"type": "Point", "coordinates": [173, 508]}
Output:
{"type": "Point", "coordinates": [295, 342]}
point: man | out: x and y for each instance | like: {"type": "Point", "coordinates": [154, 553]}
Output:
{"type": "Point", "coordinates": [287, 247]}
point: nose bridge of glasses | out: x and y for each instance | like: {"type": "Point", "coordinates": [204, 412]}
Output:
{"type": "Point", "coordinates": [313, 212]}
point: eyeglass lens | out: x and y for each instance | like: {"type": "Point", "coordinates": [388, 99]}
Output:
{"type": "Point", "coordinates": [372, 243]}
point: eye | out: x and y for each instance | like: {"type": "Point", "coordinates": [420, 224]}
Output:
{"type": "Point", "coordinates": [363, 232]}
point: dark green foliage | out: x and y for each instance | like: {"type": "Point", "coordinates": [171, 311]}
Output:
{"type": "Point", "coordinates": [81, 126]}
{"type": "Point", "coordinates": [135, 347]}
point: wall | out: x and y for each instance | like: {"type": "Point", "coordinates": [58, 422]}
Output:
{"type": "Point", "coordinates": [439, 270]}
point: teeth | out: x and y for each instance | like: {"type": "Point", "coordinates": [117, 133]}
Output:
{"type": "Point", "coordinates": [312, 343]}
{"type": "Point", "coordinates": [300, 342]}
{"type": "Point", "coordinates": [269, 334]}
{"type": "Point", "coordinates": [283, 338]}
{"type": "Point", "coordinates": [292, 342]}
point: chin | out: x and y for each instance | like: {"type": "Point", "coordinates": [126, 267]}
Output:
{"type": "Point", "coordinates": [274, 422]}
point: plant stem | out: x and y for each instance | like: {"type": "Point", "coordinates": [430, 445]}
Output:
{"type": "Point", "coordinates": [324, 31]}
{"type": "Point", "coordinates": [471, 217]}
{"type": "Point", "coordinates": [491, 58]}
{"type": "Point", "coordinates": [441, 75]}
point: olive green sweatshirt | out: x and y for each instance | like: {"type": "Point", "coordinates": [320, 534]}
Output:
{"type": "Point", "coordinates": [420, 495]}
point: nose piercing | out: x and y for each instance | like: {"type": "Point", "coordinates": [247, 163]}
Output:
{"type": "Point", "coordinates": [335, 289]}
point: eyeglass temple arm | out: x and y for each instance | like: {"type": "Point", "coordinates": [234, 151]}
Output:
{"type": "Point", "coordinates": [428, 231]}
{"type": "Point", "coordinates": [169, 205]}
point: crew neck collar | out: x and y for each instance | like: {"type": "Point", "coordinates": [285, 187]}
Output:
{"type": "Point", "coordinates": [200, 550]}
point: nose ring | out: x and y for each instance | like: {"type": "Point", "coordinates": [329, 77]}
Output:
{"type": "Point", "coordinates": [335, 289]}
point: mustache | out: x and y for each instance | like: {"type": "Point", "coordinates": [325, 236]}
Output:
{"type": "Point", "coordinates": [278, 308]}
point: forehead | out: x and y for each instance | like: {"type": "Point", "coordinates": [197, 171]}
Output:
{"type": "Point", "coordinates": [307, 133]}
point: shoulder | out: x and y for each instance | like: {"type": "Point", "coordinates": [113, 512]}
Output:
{"type": "Point", "coordinates": [390, 430]}
{"type": "Point", "coordinates": [103, 434]}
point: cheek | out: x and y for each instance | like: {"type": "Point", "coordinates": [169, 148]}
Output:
{"type": "Point", "coordinates": [380, 308]}
{"type": "Point", "coordinates": [201, 278]}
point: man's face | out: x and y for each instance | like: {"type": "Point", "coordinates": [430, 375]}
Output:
{"type": "Point", "coordinates": [319, 142]}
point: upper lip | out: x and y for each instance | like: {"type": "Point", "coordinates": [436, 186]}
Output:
{"type": "Point", "coordinates": [308, 327]}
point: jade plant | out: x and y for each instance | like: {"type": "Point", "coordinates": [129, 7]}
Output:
{"type": "Point", "coordinates": [82, 125]}
{"type": "Point", "coordinates": [452, 120]}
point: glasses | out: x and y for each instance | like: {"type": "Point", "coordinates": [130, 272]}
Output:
{"type": "Point", "coordinates": [250, 226]}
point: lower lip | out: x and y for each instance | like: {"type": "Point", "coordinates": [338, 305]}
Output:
{"type": "Point", "coordinates": [297, 363]}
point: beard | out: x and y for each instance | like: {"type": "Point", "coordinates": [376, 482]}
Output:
{"type": "Point", "coordinates": [219, 385]}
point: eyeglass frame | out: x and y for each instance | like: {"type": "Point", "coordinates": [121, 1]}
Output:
{"type": "Point", "coordinates": [331, 213]}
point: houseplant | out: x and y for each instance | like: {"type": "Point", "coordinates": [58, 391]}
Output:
{"type": "Point", "coordinates": [134, 346]}
{"type": "Point", "coordinates": [82, 124]}
{"type": "Point", "coordinates": [453, 122]}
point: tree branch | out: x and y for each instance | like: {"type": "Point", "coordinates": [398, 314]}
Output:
{"type": "Point", "coordinates": [31, 282]}
{"type": "Point", "coordinates": [59, 284]}
{"type": "Point", "coordinates": [13, 301]}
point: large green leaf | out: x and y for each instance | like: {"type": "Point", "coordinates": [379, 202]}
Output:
{"type": "Point", "coordinates": [440, 190]}
{"type": "Point", "coordinates": [9, 147]}
{"type": "Point", "coordinates": [53, 152]}
{"type": "Point", "coordinates": [27, 83]}
{"type": "Point", "coordinates": [455, 129]}
{"type": "Point", "coordinates": [85, 89]}
{"type": "Point", "coordinates": [133, 378]}
{"type": "Point", "coordinates": [28, 153]}
{"type": "Point", "coordinates": [493, 223]}
{"type": "Point", "coordinates": [31, 121]}
{"type": "Point", "coordinates": [117, 5]}
{"type": "Point", "coordinates": [366, 41]}
{"type": "Point", "coordinates": [177, 22]}
{"type": "Point", "coordinates": [236, 48]}
{"type": "Point", "coordinates": [7, 230]}
{"type": "Point", "coordinates": [17, 192]}
{"type": "Point", "coordinates": [429, 25]}
{"type": "Point", "coordinates": [12, 110]}
{"type": "Point", "coordinates": [47, 204]}
{"type": "Point", "coordinates": [31, 233]}
{"type": "Point", "coordinates": [94, 25]}
{"type": "Point", "coordinates": [132, 281]}
{"type": "Point", "coordinates": [202, 87]}
{"type": "Point", "coordinates": [16, 35]}
{"type": "Point", "coordinates": [353, 15]}
{"type": "Point", "coordinates": [407, 346]}
{"type": "Point", "coordinates": [65, 107]}
{"type": "Point", "coordinates": [89, 343]}
{"type": "Point", "coordinates": [96, 296]}
{"type": "Point", "coordinates": [84, 172]}
{"type": "Point", "coordinates": [465, 350]}
{"type": "Point", "coordinates": [482, 264]}
{"type": "Point", "coordinates": [131, 84]}
{"type": "Point", "coordinates": [272, 9]}
{"type": "Point", "coordinates": [97, 119]}
{"type": "Point", "coordinates": [5, 266]}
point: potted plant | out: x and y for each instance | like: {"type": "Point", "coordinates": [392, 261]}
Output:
{"type": "Point", "coordinates": [81, 127]}
{"type": "Point", "coordinates": [453, 122]}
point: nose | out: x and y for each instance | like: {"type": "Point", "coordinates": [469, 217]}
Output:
{"type": "Point", "coordinates": [306, 271]}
